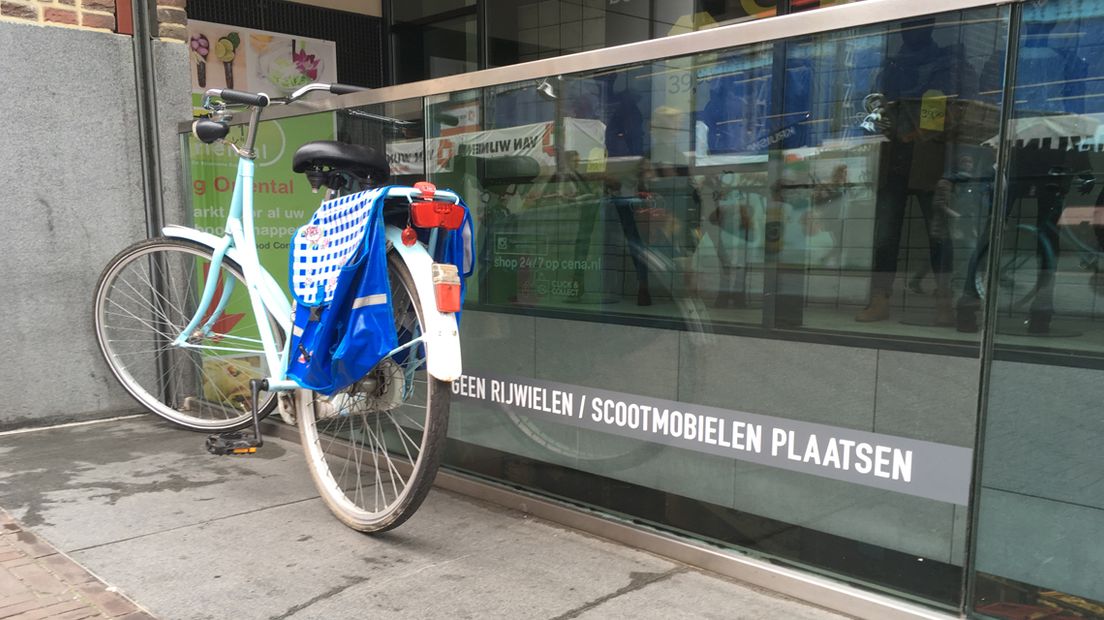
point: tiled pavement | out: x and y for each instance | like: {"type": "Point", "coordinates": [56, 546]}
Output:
{"type": "Point", "coordinates": [39, 582]}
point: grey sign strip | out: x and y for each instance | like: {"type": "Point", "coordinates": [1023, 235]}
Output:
{"type": "Point", "coordinates": [911, 466]}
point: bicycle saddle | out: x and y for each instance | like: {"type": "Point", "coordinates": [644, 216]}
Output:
{"type": "Point", "coordinates": [361, 161]}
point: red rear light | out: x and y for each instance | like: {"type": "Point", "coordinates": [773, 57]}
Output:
{"type": "Point", "coordinates": [446, 287]}
{"type": "Point", "coordinates": [437, 215]}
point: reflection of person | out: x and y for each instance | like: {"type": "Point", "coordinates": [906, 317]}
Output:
{"type": "Point", "coordinates": [624, 172]}
{"type": "Point", "coordinates": [625, 126]}
{"type": "Point", "coordinates": [727, 117]}
{"type": "Point", "coordinates": [668, 177]}
{"type": "Point", "coordinates": [911, 111]}
{"type": "Point", "coordinates": [734, 212]}
{"type": "Point", "coordinates": [622, 192]}
{"type": "Point", "coordinates": [575, 188]}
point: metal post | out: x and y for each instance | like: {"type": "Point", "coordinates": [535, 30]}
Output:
{"type": "Point", "coordinates": [989, 329]}
{"type": "Point", "coordinates": [149, 149]}
{"type": "Point", "coordinates": [149, 142]}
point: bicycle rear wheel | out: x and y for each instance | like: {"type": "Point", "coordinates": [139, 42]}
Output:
{"type": "Point", "coordinates": [146, 296]}
{"type": "Point", "coordinates": [373, 448]}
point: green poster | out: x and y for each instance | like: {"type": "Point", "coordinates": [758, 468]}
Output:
{"type": "Point", "coordinates": [282, 200]}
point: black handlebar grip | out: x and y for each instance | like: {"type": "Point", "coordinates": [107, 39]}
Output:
{"type": "Point", "coordinates": [345, 89]}
{"type": "Point", "coordinates": [208, 131]}
{"type": "Point", "coordinates": [237, 96]}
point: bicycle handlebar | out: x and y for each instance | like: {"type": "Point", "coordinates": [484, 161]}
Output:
{"type": "Point", "coordinates": [346, 89]}
{"type": "Point", "coordinates": [259, 100]}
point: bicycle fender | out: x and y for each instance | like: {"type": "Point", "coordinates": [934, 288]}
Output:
{"type": "Point", "coordinates": [271, 293]}
{"type": "Point", "coordinates": [442, 334]}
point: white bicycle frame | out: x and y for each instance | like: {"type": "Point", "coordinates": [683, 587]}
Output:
{"type": "Point", "coordinates": [440, 332]}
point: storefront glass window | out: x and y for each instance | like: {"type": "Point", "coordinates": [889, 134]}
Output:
{"type": "Point", "coordinates": [632, 221]}
{"type": "Point", "coordinates": [829, 184]}
{"type": "Point", "coordinates": [1041, 510]}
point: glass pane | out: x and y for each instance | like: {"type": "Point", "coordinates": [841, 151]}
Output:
{"type": "Point", "coordinates": [396, 128]}
{"type": "Point", "coordinates": [636, 223]}
{"type": "Point", "coordinates": [884, 175]}
{"type": "Point", "coordinates": [533, 29]}
{"type": "Point", "coordinates": [411, 10]}
{"type": "Point", "coordinates": [1041, 514]}
{"type": "Point", "coordinates": [436, 49]}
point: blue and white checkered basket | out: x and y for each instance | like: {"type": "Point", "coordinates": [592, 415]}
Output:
{"type": "Point", "coordinates": [326, 244]}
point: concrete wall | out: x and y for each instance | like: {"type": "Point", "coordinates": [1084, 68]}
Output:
{"type": "Point", "coordinates": [926, 397]}
{"type": "Point", "coordinates": [71, 173]}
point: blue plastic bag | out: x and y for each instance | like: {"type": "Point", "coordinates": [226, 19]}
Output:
{"type": "Point", "coordinates": [342, 324]}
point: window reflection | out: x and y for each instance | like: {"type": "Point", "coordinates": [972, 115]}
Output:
{"type": "Point", "coordinates": [893, 172]}
{"type": "Point", "coordinates": [837, 182]}
{"type": "Point", "coordinates": [1041, 508]}
{"type": "Point", "coordinates": [1049, 273]}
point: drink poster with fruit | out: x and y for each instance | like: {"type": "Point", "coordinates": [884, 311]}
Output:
{"type": "Point", "coordinates": [223, 56]}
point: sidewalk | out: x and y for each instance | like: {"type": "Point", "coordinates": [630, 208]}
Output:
{"type": "Point", "coordinates": [187, 535]}
{"type": "Point", "coordinates": [38, 582]}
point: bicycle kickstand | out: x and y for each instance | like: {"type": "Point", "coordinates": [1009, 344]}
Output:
{"type": "Point", "coordinates": [241, 442]}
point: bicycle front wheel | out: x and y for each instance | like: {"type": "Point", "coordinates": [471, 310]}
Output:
{"type": "Point", "coordinates": [373, 448]}
{"type": "Point", "coordinates": [145, 298]}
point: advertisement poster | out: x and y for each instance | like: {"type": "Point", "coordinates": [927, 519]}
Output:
{"type": "Point", "coordinates": [255, 61]}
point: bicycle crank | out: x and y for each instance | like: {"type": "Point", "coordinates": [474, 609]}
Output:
{"type": "Point", "coordinates": [241, 443]}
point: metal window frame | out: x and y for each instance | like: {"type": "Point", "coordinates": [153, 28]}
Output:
{"type": "Point", "coordinates": [764, 30]}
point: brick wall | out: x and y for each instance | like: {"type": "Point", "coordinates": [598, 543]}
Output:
{"type": "Point", "coordinates": [172, 21]}
{"type": "Point", "coordinates": [95, 15]}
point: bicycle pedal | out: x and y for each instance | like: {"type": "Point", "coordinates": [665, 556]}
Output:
{"type": "Point", "coordinates": [237, 443]}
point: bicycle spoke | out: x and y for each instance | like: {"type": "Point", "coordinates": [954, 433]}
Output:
{"type": "Point", "coordinates": [395, 435]}
{"type": "Point", "coordinates": [138, 322]}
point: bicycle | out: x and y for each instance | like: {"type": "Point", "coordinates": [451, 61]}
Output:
{"type": "Point", "coordinates": [195, 329]}
{"type": "Point", "coordinates": [1029, 261]}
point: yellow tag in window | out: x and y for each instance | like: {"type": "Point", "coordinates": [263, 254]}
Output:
{"type": "Point", "coordinates": [933, 110]}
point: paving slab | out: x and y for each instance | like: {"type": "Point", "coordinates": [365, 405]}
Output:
{"type": "Point", "coordinates": [192, 536]}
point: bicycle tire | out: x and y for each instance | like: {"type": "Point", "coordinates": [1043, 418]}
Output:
{"type": "Point", "coordinates": [346, 434]}
{"type": "Point", "coordinates": [181, 385]}
{"type": "Point", "coordinates": [1009, 268]}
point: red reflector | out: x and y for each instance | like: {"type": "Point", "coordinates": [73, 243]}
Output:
{"type": "Point", "coordinates": [437, 215]}
{"type": "Point", "coordinates": [448, 297]}
{"type": "Point", "coordinates": [427, 189]}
